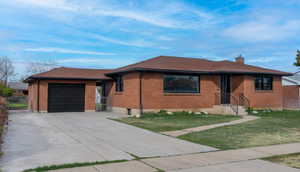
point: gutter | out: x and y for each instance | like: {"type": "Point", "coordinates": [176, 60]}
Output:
{"type": "Point", "coordinates": [65, 78]}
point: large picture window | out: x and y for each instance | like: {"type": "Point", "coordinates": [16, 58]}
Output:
{"type": "Point", "coordinates": [263, 82]}
{"type": "Point", "coordinates": [119, 84]}
{"type": "Point", "coordinates": [181, 84]}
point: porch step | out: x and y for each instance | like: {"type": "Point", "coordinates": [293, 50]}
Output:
{"type": "Point", "coordinates": [227, 110]}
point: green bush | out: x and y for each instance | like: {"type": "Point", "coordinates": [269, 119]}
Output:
{"type": "Point", "coordinates": [5, 91]}
{"type": "Point", "coordinates": [250, 110]}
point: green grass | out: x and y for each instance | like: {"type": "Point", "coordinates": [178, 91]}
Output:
{"type": "Point", "coordinates": [160, 122]}
{"type": "Point", "coordinates": [291, 160]}
{"type": "Point", "coordinates": [72, 165]}
{"type": "Point", "coordinates": [17, 106]}
{"type": "Point", "coordinates": [272, 128]}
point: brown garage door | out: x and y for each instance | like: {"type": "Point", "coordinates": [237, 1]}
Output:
{"type": "Point", "coordinates": [66, 97]}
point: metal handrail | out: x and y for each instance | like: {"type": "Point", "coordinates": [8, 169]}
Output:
{"type": "Point", "coordinates": [234, 107]}
{"type": "Point", "coordinates": [104, 104]}
{"type": "Point", "coordinates": [244, 101]}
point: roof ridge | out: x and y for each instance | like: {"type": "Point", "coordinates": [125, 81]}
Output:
{"type": "Point", "coordinates": [138, 62]}
{"type": "Point", "coordinates": [161, 56]}
{"type": "Point", "coordinates": [257, 67]}
{"type": "Point", "coordinates": [47, 71]}
{"type": "Point", "coordinates": [196, 58]}
{"type": "Point", "coordinates": [85, 68]}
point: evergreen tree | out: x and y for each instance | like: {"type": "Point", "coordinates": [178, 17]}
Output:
{"type": "Point", "coordinates": [297, 63]}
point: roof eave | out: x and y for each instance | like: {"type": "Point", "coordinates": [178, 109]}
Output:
{"type": "Point", "coordinates": [194, 72]}
{"type": "Point", "coordinates": [64, 78]}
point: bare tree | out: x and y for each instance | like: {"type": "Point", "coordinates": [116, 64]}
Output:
{"type": "Point", "coordinates": [38, 67]}
{"type": "Point", "coordinates": [35, 67]}
{"type": "Point", "coordinates": [7, 69]}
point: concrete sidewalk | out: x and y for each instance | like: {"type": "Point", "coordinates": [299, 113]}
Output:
{"type": "Point", "coordinates": [207, 127]}
{"type": "Point", "coordinates": [231, 161]}
{"type": "Point", "coordinates": [244, 166]}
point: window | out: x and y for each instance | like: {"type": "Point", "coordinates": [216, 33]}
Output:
{"type": "Point", "coordinates": [263, 82]}
{"type": "Point", "coordinates": [181, 84]}
{"type": "Point", "coordinates": [119, 84]}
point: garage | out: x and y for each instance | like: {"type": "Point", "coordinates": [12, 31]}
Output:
{"type": "Point", "coordinates": [65, 89]}
{"type": "Point", "coordinates": [66, 97]}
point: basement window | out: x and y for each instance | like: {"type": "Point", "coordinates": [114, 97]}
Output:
{"type": "Point", "coordinates": [181, 84]}
{"type": "Point", "coordinates": [263, 82]}
{"type": "Point", "coordinates": [119, 84]}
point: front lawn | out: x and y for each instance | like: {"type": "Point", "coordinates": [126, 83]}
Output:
{"type": "Point", "coordinates": [291, 160]}
{"type": "Point", "coordinates": [160, 122]}
{"type": "Point", "coordinates": [273, 128]}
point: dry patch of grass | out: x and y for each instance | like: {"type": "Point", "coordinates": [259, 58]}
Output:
{"type": "Point", "coordinates": [272, 128]}
{"type": "Point", "coordinates": [291, 160]}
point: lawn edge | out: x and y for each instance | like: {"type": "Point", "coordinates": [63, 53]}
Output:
{"type": "Point", "coordinates": [273, 159]}
{"type": "Point", "coordinates": [162, 132]}
{"type": "Point", "coordinates": [71, 165]}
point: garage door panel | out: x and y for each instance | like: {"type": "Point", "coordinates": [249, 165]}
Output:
{"type": "Point", "coordinates": [66, 97]}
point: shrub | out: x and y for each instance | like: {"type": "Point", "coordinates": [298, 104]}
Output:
{"type": "Point", "coordinates": [162, 112]}
{"type": "Point", "coordinates": [3, 118]}
{"type": "Point", "coordinates": [5, 91]}
{"type": "Point", "coordinates": [250, 110]}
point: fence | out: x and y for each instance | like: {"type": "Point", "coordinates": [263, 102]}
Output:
{"type": "Point", "coordinates": [104, 104]}
{"type": "Point", "coordinates": [17, 99]}
{"type": "Point", "coordinates": [291, 98]}
{"type": "Point", "coordinates": [291, 103]}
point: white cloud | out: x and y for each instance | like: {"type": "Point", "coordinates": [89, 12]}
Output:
{"type": "Point", "coordinates": [137, 43]}
{"type": "Point", "coordinates": [165, 38]}
{"type": "Point", "coordinates": [161, 17]}
{"type": "Point", "coordinates": [255, 31]}
{"type": "Point", "coordinates": [94, 61]}
{"type": "Point", "coordinates": [262, 60]}
{"type": "Point", "coordinates": [62, 50]}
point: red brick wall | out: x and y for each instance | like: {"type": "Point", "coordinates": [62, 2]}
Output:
{"type": "Point", "coordinates": [32, 96]}
{"type": "Point", "coordinates": [90, 87]}
{"type": "Point", "coordinates": [155, 98]}
{"type": "Point", "coordinates": [291, 97]}
{"type": "Point", "coordinates": [129, 98]}
{"type": "Point", "coordinates": [237, 85]}
{"type": "Point", "coordinates": [264, 99]}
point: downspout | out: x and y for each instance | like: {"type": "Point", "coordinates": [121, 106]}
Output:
{"type": "Point", "coordinates": [141, 95]}
{"type": "Point", "coordinates": [38, 96]}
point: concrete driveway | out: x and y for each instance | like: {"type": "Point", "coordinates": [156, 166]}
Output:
{"type": "Point", "coordinates": [34, 140]}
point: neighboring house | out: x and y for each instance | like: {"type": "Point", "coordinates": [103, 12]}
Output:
{"type": "Point", "coordinates": [169, 83]}
{"type": "Point", "coordinates": [291, 92]}
{"type": "Point", "coordinates": [19, 88]}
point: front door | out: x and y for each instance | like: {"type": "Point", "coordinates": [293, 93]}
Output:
{"type": "Point", "coordinates": [225, 89]}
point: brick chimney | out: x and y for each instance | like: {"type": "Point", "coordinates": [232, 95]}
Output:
{"type": "Point", "coordinates": [240, 59]}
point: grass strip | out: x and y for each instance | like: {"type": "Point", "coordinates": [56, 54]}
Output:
{"type": "Point", "coordinates": [71, 165]}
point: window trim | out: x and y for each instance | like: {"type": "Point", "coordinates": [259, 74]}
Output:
{"type": "Point", "coordinates": [119, 84]}
{"type": "Point", "coordinates": [262, 86]}
{"type": "Point", "coordinates": [181, 92]}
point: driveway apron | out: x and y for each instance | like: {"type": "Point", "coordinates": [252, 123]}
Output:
{"type": "Point", "coordinates": [34, 139]}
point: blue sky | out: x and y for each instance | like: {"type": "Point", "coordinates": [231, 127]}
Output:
{"type": "Point", "coordinates": [113, 33]}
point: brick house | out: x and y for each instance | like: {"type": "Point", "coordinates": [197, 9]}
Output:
{"type": "Point", "coordinates": [164, 82]}
{"type": "Point", "coordinates": [19, 88]}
